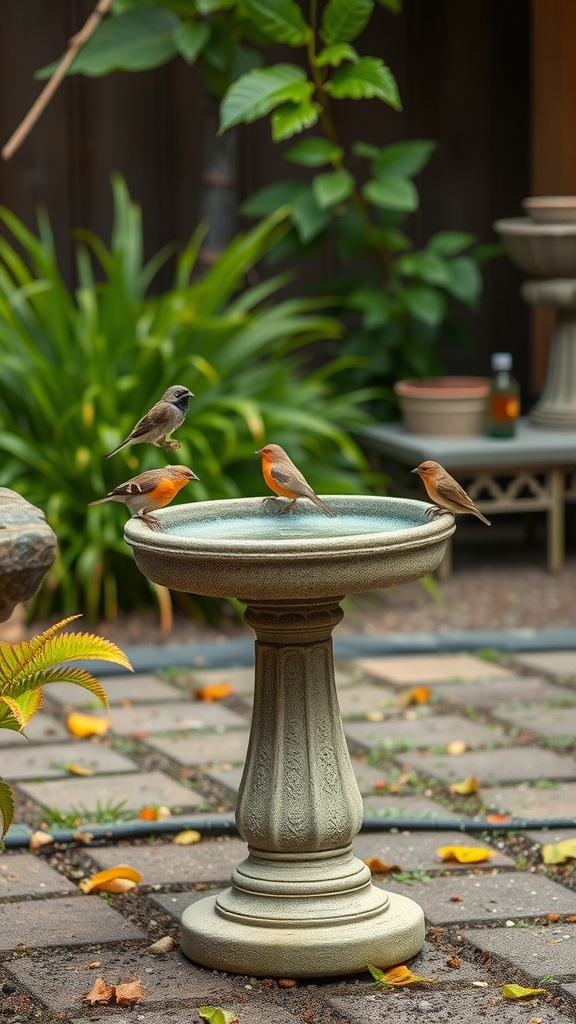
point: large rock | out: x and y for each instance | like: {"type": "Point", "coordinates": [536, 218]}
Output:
{"type": "Point", "coordinates": [27, 550]}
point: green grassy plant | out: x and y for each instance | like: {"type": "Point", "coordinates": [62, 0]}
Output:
{"type": "Point", "coordinates": [77, 369]}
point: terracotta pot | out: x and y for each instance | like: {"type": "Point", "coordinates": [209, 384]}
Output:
{"type": "Point", "coordinates": [444, 406]}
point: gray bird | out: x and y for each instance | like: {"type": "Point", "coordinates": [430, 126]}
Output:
{"type": "Point", "coordinates": [156, 426]}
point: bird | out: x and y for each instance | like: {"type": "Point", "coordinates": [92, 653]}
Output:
{"type": "Point", "coordinates": [150, 490]}
{"type": "Point", "coordinates": [163, 418]}
{"type": "Point", "coordinates": [285, 478]}
{"type": "Point", "coordinates": [446, 492]}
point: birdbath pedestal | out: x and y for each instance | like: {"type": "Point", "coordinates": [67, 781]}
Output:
{"type": "Point", "coordinates": [301, 904]}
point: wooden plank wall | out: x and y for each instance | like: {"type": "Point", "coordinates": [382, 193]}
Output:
{"type": "Point", "coordinates": [464, 75]}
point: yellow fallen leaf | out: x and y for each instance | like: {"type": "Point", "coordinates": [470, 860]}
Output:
{"type": "Point", "coordinates": [187, 837]}
{"type": "Point", "coordinates": [105, 881]}
{"type": "Point", "coordinates": [517, 992]}
{"type": "Point", "coordinates": [456, 747]}
{"type": "Point", "coordinates": [82, 725]}
{"type": "Point", "coordinates": [38, 839]}
{"type": "Point", "coordinates": [378, 866]}
{"type": "Point", "coordinates": [559, 853]}
{"type": "Point", "coordinates": [465, 854]}
{"type": "Point", "coordinates": [395, 977]}
{"type": "Point", "coordinates": [416, 695]}
{"type": "Point", "coordinates": [465, 787]}
{"type": "Point", "coordinates": [77, 769]}
{"type": "Point", "coordinates": [216, 1015]}
{"type": "Point", "coordinates": [216, 692]}
{"type": "Point", "coordinates": [374, 716]}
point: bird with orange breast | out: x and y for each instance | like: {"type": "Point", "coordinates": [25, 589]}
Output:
{"type": "Point", "coordinates": [149, 491]}
{"type": "Point", "coordinates": [283, 477]}
{"type": "Point", "coordinates": [446, 492]}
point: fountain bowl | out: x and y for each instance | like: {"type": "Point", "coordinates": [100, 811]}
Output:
{"type": "Point", "coordinates": [540, 249]}
{"type": "Point", "coordinates": [207, 559]}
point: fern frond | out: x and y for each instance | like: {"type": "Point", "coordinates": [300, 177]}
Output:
{"type": "Point", "coordinates": [6, 808]}
{"type": "Point", "coordinates": [20, 662]}
{"type": "Point", "coordinates": [72, 674]}
{"type": "Point", "coordinates": [21, 707]}
{"type": "Point", "coordinates": [15, 657]}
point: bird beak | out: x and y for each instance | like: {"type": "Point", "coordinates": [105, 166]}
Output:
{"type": "Point", "coordinates": [194, 477]}
{"type": "Point", "coordinates": [259, 452]}
{"type": "Point", "coordinates": [417, 470]}
{"type": "Point", "coordinates": [190, 395]}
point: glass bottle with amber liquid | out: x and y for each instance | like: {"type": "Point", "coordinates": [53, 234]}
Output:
{"type": "Point", "coordinates": [504, 399]}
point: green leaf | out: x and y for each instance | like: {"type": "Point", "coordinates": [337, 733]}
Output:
{"type": "Point", "coordinates": [309, 218]}
{"type": "Point", "coordinates": [269, 198]}
{"type": "Point", "coordinates": [426, 304]}
{"type": "Point", "coordinates": [136, 40]}
{"type": "Point", "coordinates": [344, 20]}
{"type": "Point", "coordinates": [374, 304]}
{"type": "Point", "coordinates": [365, 149]}
{"type": "Point", "coordinates": [489, 251]}
{"type": "Point", "coordinates": [332, 187]}
{"type": "Point", "coordinates": [378, 976]}
{"type": "Point", "coordinates": [428, 266]}
{"type": "Point", "coordinates": [404, 159]}
{"type": "Point", "coordinates": [392, 194]}
{"type": "Point", "coordinates": [392, 5]}
{"type": "Point", "coordinates": [465, 282]}
{"type": "Point", "coordinates": [291, 118]}
{"type": "Point", "coordinates": [368, 78]}
{"type": "Point", "coordinates": [6, 808]}
{"type": "Point", "coordinates": [313, 152]}
{"type": "Point", "coordinates": [281, 20]}
{"type": "Point", "coordinates": [190, 39]}
{"type": "Point", "coordinates": [256, 93]}
{"type": "Point", "coordinates": [450, 243]}
{"type": "Point", "coordinates": [216, 1015]}
{"type": "Point", "coordinates": [335, 54]}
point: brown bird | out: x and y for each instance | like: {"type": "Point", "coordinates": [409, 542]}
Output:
{"type": "Point", "coordinates": [445, 492]}
{"type": "Point", "coordinates": [156, 426]}
{"type": "Point", "coordinates": [150, 490]}
{"type": "Point", "coordinates": [283, 477]}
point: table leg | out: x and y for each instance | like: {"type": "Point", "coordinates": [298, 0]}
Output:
{"type": "Point", "coordinates": [444, 570]}
{"type": "Point", "coordinates": [556, 521]}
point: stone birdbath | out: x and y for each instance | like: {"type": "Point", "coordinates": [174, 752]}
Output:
{"type": "Point", "coordinates": [27, 550]}
{"type": "Point", "coordinates": [543, 245]}
{"type": "Point", "coordinates": [301, 904]}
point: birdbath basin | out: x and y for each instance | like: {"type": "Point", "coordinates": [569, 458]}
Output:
{"type": "Point", "coordinates": [301, 904]}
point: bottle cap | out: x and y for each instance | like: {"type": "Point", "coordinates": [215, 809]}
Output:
{"type": "Point", "coordinates": [501, 361]}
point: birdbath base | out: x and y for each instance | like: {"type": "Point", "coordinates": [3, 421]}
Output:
{"type": "Point", "coordinates": [301, 904]}
{"type": "Point", "coordinates": [556, 407]}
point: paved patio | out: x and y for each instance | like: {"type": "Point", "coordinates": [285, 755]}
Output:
{"type": "Point", "coordinates": [508, 920]}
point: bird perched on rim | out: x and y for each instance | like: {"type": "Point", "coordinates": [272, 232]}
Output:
{"type": "Point", "coordinates": [283, 477]}
{"type": "Point", "coordinates": [149, 491]}
{"type": "Point", "coordinates": [156, 426]}
{"type": "Point", "coordinates": [446, 492]}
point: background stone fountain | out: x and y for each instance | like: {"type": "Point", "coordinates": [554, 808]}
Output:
{"type": "Point", "coordinates": [27, 550]}
{"type": "Point", "coordinates": [544, 246]}
{"type": "Point", "coordinates": [301, 904]}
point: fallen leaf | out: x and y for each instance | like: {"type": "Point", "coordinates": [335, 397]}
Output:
{"type": "Point", "coordinates": [94, 963]}
{"type": "Point", "coordinates": [374, 716]}
{"type": "Point", "coordinates": [466, 787]}
{"type": "Point", "coordinates": [484, 956]}
{"type": "Point", "coordinates": [479, 984]}
{"type": "Point", "coordinates": [378, 866]}
{"type": "Point", "coordinates": [77, 769]}
{"type": "Point", "coordinates": [82, 725]}
{"type": "Point", "coordinates": [287, 982]}
{"type": "Point", "coordinates": [107, 881]}
{"type": "Point", "coordinates": [456, 899]}
{"type": "Point", "coordinates": [416, 695]}
{"type": "Point", "coordinates": [517, 992]}
{"type": "Point", "coordinates": [128, 993]}
{"type": "Point", "coordinates": [395, 977]}
{"type": "Point", "coordinates": [453, 962]}
{"type": "Point", "coordinates": [559, 853]}
{"type": "Point", "coordinates": [100, 993]}
{"type": "Point", "coordinates": [493, 818]}
{"type": "Point", "coordinates": [38, 839]}
{"type": "Point", "coordinates": [456, 747]}
{"type": "Point", "coordinates": [216, 692]}
{"type": "Point", "coordinates": [187, 837]}
{"type": "Point", "coordinates": [465, 854]}
{"type": "Point", "coordinates": [83, 837]}
{"type": "Point", "coordinates": [164, 945]}
{"type": "Point", "coordinates": [571, 918]}
{"type": "Point", "coordinates": [553, 917]}
{"type": "Point", "coordinates": [154, 813]}
{"type": "Point", "coordinates": [216, 1015]}
{"type": "Point", "coordinates": [380, 784]}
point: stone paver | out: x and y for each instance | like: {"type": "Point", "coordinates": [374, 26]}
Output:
{"type": "Point", "coordinates": [488, 898]}
{"type": "Point", "coordinates": [164, 978]}
{"type": "Point", "coordinates": [48, 761]}
{"type": "Point", "coordinates": [41, 729]}
{"type": "Point", "coordinates": [22, 874]}
{"type": "Point", "coordinates": [356, 700]}
{"type": "Point", "coordinates": [405, 806]}
{"type": "Point", "coordinates": [138, 790]}
{"type": "Point", "coordinates": [207, 861]}
{"type": "Point", "coordinates": [65, 921]}
{"type": "Point", "coordinates": [558, 663]}
{"type": "Point", "coordinates": [242, 679]}
{"type": "Point", "coordinates": [516, 764]}
{"type": "Point", "coordinates": [429, 1003]}
{"type": "Point", "coordinates": [367, 777]}
{"type": "Point", "coordinates": [175, 903]}
{"type": "Point", "coordinates": [544, 836]}
{"type": "Point", "coordinates": [416, 851]}
{"type": "Point", "coordinates": [557, 723]}
{"type": "Point", "coordinates": [203, 748]}
{"type": "Point", "coordinates": [430, 668]}
{"type": "Point", "coordinates": [175, 716]}
{"type": "Point", "coordinates": [493, 692]}
{"type": "Point", "coordinates": [424, 730]}
{"type": "Point", "coordinates": [557, 800]}
{"type": "Point", "coordinates": [537, 950]}
{"type": "Point", "coordinates": [119, 688]}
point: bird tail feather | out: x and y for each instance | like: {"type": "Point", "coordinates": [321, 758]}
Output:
{"type": "Point", "coordinates": [321, 505]}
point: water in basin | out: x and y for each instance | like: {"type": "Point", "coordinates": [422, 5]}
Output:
{"type": "Point", "coordinates": [291, 526]}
